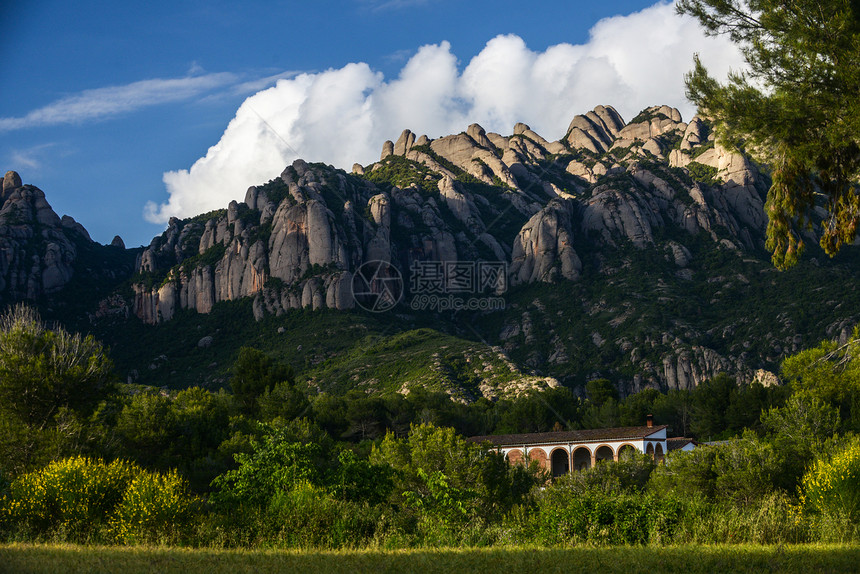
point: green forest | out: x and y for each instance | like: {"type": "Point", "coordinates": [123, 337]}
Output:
{"type": "Point", "coordinates": [265, 464]}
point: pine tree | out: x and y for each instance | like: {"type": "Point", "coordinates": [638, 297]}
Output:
{"type": "Point", "coordinates": [797, 109]}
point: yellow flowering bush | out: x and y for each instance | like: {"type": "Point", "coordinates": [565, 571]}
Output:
{"type": "Point", "coordinates": [832, 486]}
{"type": "Point", "coordinates": [152, 508]}
{"type": "Point", "coordinates": [72, 495]}
{"type": "Point", "coordinates": [77, 496]}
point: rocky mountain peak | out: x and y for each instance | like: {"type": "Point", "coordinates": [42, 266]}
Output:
{"type": "Point", "coordinates": [37, 247]}
{"type": "Point", "coordinates": [10, 181]}
{"type": "Point", "coordinates": [547, 211]}
{"type": "Point", "coordinates": [605, 179]}
{"type": "Point", "coordinates": [613, 249]}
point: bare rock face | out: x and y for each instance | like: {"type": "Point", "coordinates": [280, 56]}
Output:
{"type": "Point", "coordinates": [458, 149]}
{"type": "Point", "coordinates": [681, 256]}
{"type": "Point", "coordinates": [766, 378]}
{"type": "Point", "coordinates": [687, 368]}
{"type": "Point", "coordinates": [461, 205]}
{"type": "Point", "coordinates": [379, 246]}
{"type": "Point", "coordinates": [694, 135]}
{"type": "Point", "coordinates": [660, 120]}
{"type": "Point", "coordinates": [739, 189]}
{"type": "Point", "coordinates": [610, 119]}
{"type": "Point", "coordinates": [69, 223]}
{"type": "Point", "coordinates": [596, 130]}
{"type": "Point", "coordinates": [543, 249]}
{"type": "Point", "coordinates": [37, 251]}
{"type": "Point", "coordinates": [404, 143]}
{"type": "Point", "coordinates": [303, 235]}
{"type": "Point", "coordinates": [613, 213]}
{"type": "Point", "coordinates": [11, 181]}
{"type": "Point", "coordinates": [380, 210]}
{"type": "Point", "coordinates": [477, 133]}
{"type": "Point", "coordinates": [339, 292]}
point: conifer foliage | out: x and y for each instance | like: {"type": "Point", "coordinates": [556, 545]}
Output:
{"type": "Point", "coordinates": [796, 109]}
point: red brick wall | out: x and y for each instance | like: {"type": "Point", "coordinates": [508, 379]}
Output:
{"type": "Point", "coordinates": [515, 456]}
{"type": "Point", "coordinates": [540, 456]}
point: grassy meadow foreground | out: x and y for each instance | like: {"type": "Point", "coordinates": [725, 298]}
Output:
{"type": "Point", "coordinates": [38, 559]}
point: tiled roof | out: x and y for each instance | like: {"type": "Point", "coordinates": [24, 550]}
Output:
{"type": "Point", "coordinates": [675, 443]}
{"type": "Point", "coordinates": [587, 435]}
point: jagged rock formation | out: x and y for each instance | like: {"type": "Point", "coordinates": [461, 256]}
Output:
{"type": "Point", "coordinates": [37, 247]}
{"type": "Point", "coordinates": [543, 249]}
{"type": "Point", "coordinates": [45, 258]}
{"type": "Point", "coordinates": [541, 208]}
{"type": "Point", "coordinates": [632, 251]}
{"type": "Point", "coordinates": [283, 234]}
{"type": "Point", "coordinates": [297, 241]}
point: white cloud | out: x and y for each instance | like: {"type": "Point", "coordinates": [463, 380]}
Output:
{"type": "Point", "coordinates": [30, 158]}
{"type": "Point", "coordinates": [111, 101]}
{"type": "Point", "coordinates": [255, 85]}
{"type": "Point", "coordinates": [342, 116]}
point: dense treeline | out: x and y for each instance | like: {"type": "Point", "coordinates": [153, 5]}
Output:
{"type": "Point", "coordinates": [83, 458]}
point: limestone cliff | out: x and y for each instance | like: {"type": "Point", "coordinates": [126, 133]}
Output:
{"type": "Point", "coordinates": [37, 247]}
{"type": "Point", "coordinates": [539, 207]}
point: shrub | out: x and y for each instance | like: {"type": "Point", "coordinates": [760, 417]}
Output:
{"type": "Point", "coordinates": [153, 508]}
{"type": "Point", "coordinates": [359, 480]}
{"type": "Point", "coordinates": [628, 475]}
{"type": "Point", "coordinates": [747, 469]}
{"type": "Point", "coordinates": [772, 520]}
{"type": "Point", "coordinates": [443, 471]}
{"type": "Point", "coordinates": [308, 516]}
{"type": "Point", "coordinates": [75, 498]}
{"type": "Point", "coordinates": [281, 459]}
{"type": "Point", "coordinates": [831, 488]}
{"type": "Point", "coordinates": [567, 518]}
{"type": "Point", "coordinates": [71, 496]}
{"type": "Point", "coordinates": [703, 173]}
{"type": "Point", "coordinates": [687, 474]}
{"type": "Point", "coordinates": [742, 471]}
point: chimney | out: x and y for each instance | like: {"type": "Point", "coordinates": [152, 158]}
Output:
{"type": "Point", "coordinates": [649, 421]}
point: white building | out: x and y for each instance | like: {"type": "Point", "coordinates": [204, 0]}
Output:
{"type": "Point", "coordinates": [561, 451]}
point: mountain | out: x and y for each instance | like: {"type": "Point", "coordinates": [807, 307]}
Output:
{"type": "Point", "coordinates": [632, 251]}
{"type": "Point", "coordinates": [472, 196]}
{"type": "Point", "coordinates": [43, 254]}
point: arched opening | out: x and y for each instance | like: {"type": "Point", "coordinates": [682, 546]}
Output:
{"type": "Point", "coordinates": [581, 458]}
{"type": "Point", "coordinates": [560, 462]}
{"type": "Point", "coordinates": [658, 453]}
{"type": "Point", "coordinates": [604, 453]}
{"type": "Point", "coordinates": [626, 451]}
{"type": "Point", "coordinates": [650, 450]}
{"type": "Point", "coordinates": [515, 456]}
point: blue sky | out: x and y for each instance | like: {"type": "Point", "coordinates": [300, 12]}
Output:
{"type": "Point", "coordinates": [111, 107]}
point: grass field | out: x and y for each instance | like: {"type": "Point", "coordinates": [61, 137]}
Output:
{"type": "Point", "coordinates": [26, 558]}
